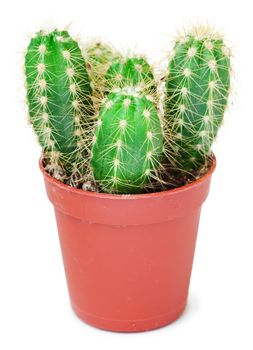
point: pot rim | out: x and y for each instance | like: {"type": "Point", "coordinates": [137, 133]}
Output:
{"type": "Point", "coordinates": [79, 191]}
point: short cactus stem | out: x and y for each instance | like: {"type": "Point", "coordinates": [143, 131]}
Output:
{"type": "Point", "coordinates": [128, 142]}
{"type": "Point", "coordinates": [58, 94]}
{"type": "Point", "coordinates": [197, 90]}
{"type": "Point", "coordinates": [98, 56]}
{"type": "Point", "coordinates": [131, 71]}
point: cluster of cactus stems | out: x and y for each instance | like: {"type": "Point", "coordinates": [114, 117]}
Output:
{"type": "Point", "coordinates": [97, 114]}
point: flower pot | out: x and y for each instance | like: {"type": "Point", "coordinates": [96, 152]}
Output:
{"type": "Point", "coordinates": [128, 258]}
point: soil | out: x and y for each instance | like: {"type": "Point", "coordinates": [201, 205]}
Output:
{"type": "Point", "coordinates": [167, 179]}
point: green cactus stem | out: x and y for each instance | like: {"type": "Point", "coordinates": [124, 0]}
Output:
{"type": "Point", "coordinates": [99, 56]}
{"type": "Point", "coordinates": [197, 90]}
{"type": "Point", "coordinates": [128, 142]}
{"type": "Point", "coordinates": [58, 94]}
{"type": "Point", "coordinates": [131, 71]}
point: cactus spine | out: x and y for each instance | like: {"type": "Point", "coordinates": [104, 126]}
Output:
{"type": "Point", "coordinates": [58, 94]}
{"type": "Point", "coordinates": [128, 142]}
{"type": "Point", "coordinates": [197, 89]}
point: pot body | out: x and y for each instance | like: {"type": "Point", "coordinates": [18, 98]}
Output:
{"type": "Point", "coordinates": [128, 258]}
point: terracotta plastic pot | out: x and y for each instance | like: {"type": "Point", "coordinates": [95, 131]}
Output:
{"type": "Point", "coordinates": [128, 258]}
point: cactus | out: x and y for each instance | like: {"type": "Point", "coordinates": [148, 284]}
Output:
{"type": "Point", "coordinates": [131, 71]}
{"type": "Point", "coordinates": [58, 94]}
{"type": "Point", "coordinates": [128, 142]}
{"type": "Point", "coordinates": [197, 90]}
{"type": "Point", "coordinates": [99, 56]}
{"type": "Point", "coordinates": [125, 147]}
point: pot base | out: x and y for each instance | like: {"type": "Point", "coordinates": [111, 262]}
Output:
{"type": "Point", "coordinates": [140, 325]}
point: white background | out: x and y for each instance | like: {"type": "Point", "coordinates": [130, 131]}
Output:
{"type": "Point", "coordinates": [34, 306]}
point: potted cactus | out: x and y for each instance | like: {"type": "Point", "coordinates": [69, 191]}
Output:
{"type": "Point", "coordinates": [127, 169]}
